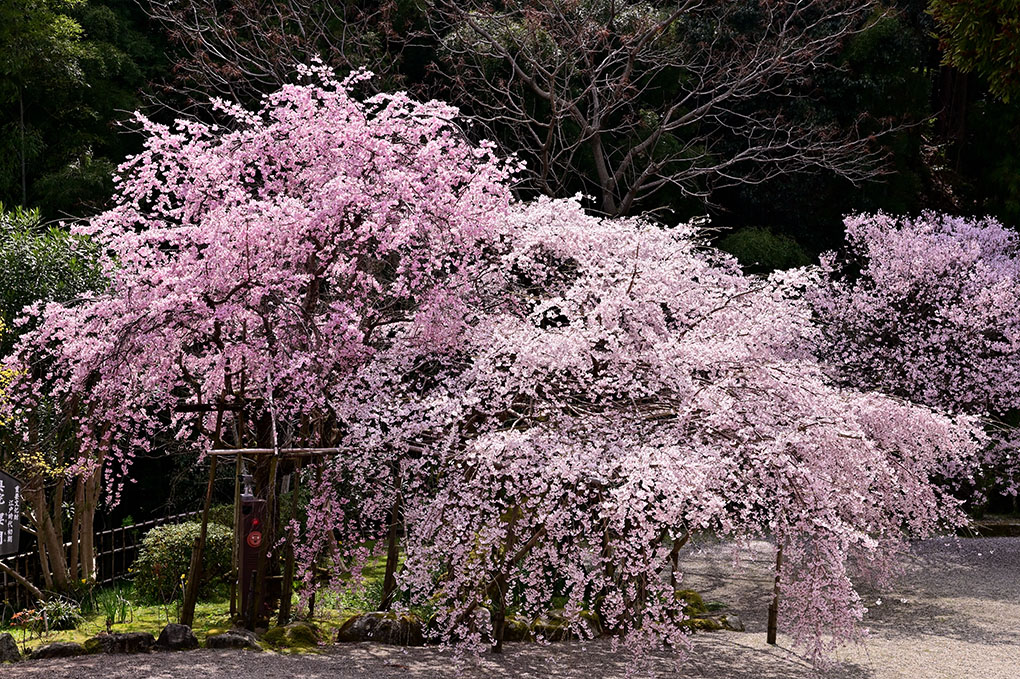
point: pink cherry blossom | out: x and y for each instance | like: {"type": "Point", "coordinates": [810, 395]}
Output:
{"type": "Point", "coordinates": [556, 400]}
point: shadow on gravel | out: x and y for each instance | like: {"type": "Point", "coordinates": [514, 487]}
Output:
{"type": "Point", "coordinates": [728, 657]}
{"type": "Point", "coordinates": [964, 590]}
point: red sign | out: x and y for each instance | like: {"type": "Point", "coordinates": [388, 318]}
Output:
{"type": "Point", "coordinates": [254, 539]}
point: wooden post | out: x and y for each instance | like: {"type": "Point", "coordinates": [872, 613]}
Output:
{"type": "Point", "coordinates": [195, 572]}
{"type": "Point", "coordinates": [262, 570]}
{"type": "Point", "coordinates": [287, 589]}
{"type": "Point", "coordinates": [774, 606]}
{"type": "Point", "coordinates": [235, 553]}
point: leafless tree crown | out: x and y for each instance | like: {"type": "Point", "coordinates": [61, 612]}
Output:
{"type": "Point", "coordinates": [638, 97]}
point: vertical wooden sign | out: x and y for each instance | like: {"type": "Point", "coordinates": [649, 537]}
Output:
{"type": "Point", "coordinates": [10, 514]}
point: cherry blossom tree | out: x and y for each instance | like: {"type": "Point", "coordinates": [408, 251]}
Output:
{"type": "Point", "coordinates": [255, 268]}
{"type": "Point", "coordinates": [551, 404]}
{"type": "Point", "coordinates": [928, 309]}
{"type": "Point", "coordinates": [642, 391]}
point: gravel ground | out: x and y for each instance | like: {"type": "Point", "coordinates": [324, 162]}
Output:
{"type": "Point", "coordinates": [954, 615]}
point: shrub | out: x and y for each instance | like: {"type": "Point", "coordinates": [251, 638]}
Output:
{"type": "Point", "coordinates": [222, 515]}
{"type": "Point", "coordinates": [61, 614]}
{"type": "Point", "coordinates": [760, 251]}
{"type": "Point", "coordinates": [166, 555]}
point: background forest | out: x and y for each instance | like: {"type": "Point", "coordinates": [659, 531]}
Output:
{"type": "Point", "coordinates": [923, 118]}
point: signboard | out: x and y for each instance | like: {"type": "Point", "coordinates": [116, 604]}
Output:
{"type": "Point", "coordinates": [10, 514]}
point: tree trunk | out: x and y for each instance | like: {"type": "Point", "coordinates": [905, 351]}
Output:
{"type": "Point", "coordinates": [392, 548]}
{"type": "Point", "coordinates": [93, 486]}
{"type": "Point", "coordinates": [76, 532]}
{"type": "Point", "coordinates": [49, 535]}
{"type": "Point", "coordinates": [773, 627]}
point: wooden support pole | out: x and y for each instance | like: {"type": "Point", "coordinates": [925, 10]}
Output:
{"type": "Point", "coordinates": [262, 570]}
{"type": "Point", "coordinates": [23, 581]}
{"type": "Point", "coordinates": [195, 572]}
{"type": "Point", "coordinates": [235, 552]}
{"type": "Point", "coordinates": [773, 628]}
{"type": "Point", "coordinates": [287, 589]}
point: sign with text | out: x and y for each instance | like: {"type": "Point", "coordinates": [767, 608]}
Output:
{"type": "Point", "coordinates": [10, 514]}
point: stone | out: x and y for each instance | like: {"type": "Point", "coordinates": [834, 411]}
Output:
{"type": "Point", "coordinates": [60, 649]}
{"type": "Point", "coordinates": [235, 638]}
{"type": "Point", "coordinates": [9, 649]}
{"type": "Point", "coordinates": [556, 626]}
{"type": "Point", "coordinates": [703, 624]}
{"type": "Point", "coordinates": [127, 642]}
{"type": "Point", "coordinates": [517, 629]}
{"type": "Point", "coordinates": [383, 627]}
{"type": "Point", "coordinates": [296, 635]}
{"type": "Point", "coordinates": [176, 637]}
{"type": "Point", "coordinates": [732, 623]}
{"type": "Point", "coordinates": [693, 603]}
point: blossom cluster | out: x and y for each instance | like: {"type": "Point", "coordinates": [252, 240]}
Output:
{"type": "Point", "coordinates": [926, 309]}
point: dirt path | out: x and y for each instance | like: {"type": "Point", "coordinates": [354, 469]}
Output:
{"type": "Point", "coordinates": [955, 615]}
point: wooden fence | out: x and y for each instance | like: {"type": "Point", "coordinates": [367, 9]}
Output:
{"type": "Point", "coordinates": [116, 550]}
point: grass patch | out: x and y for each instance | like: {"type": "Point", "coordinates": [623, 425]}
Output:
{"type": "Point", "coordinates": [209, 616]}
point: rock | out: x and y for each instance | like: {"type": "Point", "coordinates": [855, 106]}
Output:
{"type": "Point", "coordinates": [9, 649]}
{"type": "Point", "coordinates": [732, 623]}
{"type": "Point", "coordinates": [693, 603]}
{"type": "Point", "coordinates": [706, 624]}
{"type": "Point", "coordinates": [556, 626]}
{"type": "Point", "coordinates": [517, 629]}
{"type": "Point", "coordinates": [383, 627]}
{"type": "Point", "coordinates": [129, 642]}
{"type": "Point", "coordinates": [60, 649]}
{"type": "Point", "coordinates": [235, 638]}
{"type": "Point", "coordinates": [176, 637]}
{"type": "Point", "coordinates": [296, 635]}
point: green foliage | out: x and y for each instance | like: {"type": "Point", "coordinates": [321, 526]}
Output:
{"type": "Point", "coordinates": [114, 603]}
{"type": "Point", "coordinates": [983, 37]}
{"type": "Point", "coordinates": [223, 515]}
{"type": "Point", "coordinates": [165, 556]}
{"type": "Point", "coordinates": [760, 251]}
{"type": "Point", "coordinates": [61, 613]}
{"type": "Point", "coordinates": [39, 43]}
{"type": "Point", "coordinates": [362, 598]}
{"type": "Point", "coordinates": [69, 71]}
{"type": "Point", "coordinates": [41, 264]}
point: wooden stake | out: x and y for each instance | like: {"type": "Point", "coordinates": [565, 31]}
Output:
{"type": "Point", "coordinates": [235, 552]}
{"type": "Point", "coordinates": [392, 547]}
{"type": "Point", "coordinates": [195, 572]}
